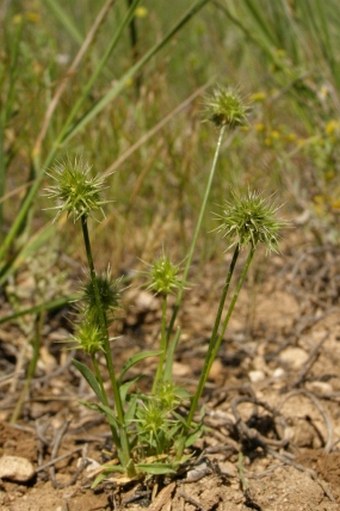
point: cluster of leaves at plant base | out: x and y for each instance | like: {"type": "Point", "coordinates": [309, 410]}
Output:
{"type": "Point", "coordinates": [159, 422]}
{"type": "Point", "coordinates": [156, 426]}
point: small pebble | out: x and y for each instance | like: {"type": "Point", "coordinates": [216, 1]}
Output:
{"type": "Point", "coordinates": [293, 357]}
{"type": "Point", "coordinates": [197, 473]}
{"type": "Point", "coordinates": [279, 373]}
{"type": "Point", "coordinates": [256, 376]}
{"type": "Point", "coordinates": [321, 387]}
{"type": "Point", "coordinates": [16, 468]}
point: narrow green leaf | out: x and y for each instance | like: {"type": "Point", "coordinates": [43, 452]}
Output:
{"type": "Point", "coordinates": [255, 10]}
{"type": "Point", "coordinates": [66, 21]}
{"type": "Point", "coordinates": [110, 415]}
{"type": "Point", "coordinates": [41, 307]}
{"type": "Point", "coordinates": [90, 378]}
{"type": "Point", "coordinates": [191, 439]}
{"type": "Point", "coordinates": [131, 410]}
{"type": "Point", "coordinates": [106, 472]}
{"type": "Point", "coordinates": [125, 387]}
{"type": "Point", "coordinates": [155, 468]}
{"type": "Point", "coordinates": [137, 358]}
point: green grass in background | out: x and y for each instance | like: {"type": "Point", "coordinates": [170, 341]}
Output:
{"type": "Point", "coordinates": [282, 55]}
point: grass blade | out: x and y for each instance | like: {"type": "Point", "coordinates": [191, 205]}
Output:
{"type": "Point", "coordinates": [121, 84]}
{"type": "Point", "coordinates": [58, 303]}
{"type": "Point", "coordinates": [65, 20]}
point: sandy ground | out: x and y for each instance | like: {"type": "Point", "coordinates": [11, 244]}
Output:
{"type": "Point", "coordinates": [272, 415]}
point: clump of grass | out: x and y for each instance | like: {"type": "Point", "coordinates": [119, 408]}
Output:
{"type": "Point", "coordinates": [148, 431]}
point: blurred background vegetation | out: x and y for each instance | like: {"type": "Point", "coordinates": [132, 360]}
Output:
{"type": "Point", "coordinates": [140, 117]}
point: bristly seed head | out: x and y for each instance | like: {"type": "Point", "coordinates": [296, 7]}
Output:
{"type": "Point", "coordinates": [163, 276]}
{"type": "Point", "coordinates": [89, 337]}
{"type": "Point", "coordinates": [225, 107]}
{"type": "Point", "coordinates": [250, 219]}
{"type": "Point", "coordinates": [76, 191]}
{"type": "Point", "coordinates": [109, 293]}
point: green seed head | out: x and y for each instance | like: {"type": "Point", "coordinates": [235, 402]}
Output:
{"type": "Point", "coordinates": [89, 337]}
{"type": "Point", "coordinates": [250, 219]}
{"type": "Point", "coordinates": [225, 107]}
{"type": "Point", "coordinates": [75, 191]}
{"type": "Point", "coordinates": [151, 416]}
{"type": "Point", "coordinates": [109, 293]}
{"type": "Point", "coordinates": [163, 276]}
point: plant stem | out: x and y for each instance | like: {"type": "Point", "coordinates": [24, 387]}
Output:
{"type": "Point", "coordinates": [234, 299]}
{"type": "Point", "coordinates": [216, 339]}
{"type": "Point", "coordinates": [224, 295]}
{"type": "Point", "coordinates": [196, 233]}
{"type": "Point", "coordinates": [105, 400]}
{"type": "Point", "coordinates": [164, 345]}
{"type": "Point", "coordinates": [126, 458]}
{"type": "Point", "coordinates": [213, 340]}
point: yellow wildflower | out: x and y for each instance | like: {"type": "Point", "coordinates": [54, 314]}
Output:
{"type": "Point", "coordinates": [260, 127]}
{"type": "Point", "coordinates": [332, 126]}
{"type": "Point", "coordinates": [141, 12]}
{"type": "Point", "coordinates": [258, 96]}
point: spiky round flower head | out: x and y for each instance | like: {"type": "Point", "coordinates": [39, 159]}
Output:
{"type": "Point", "coordinates": [109, 293]}
{"type": "Point", "coordinates": [163, 276]}
{"type": "Point", "coordinates": [75, 191]}
{"type": "Point", "coordinates": [250, 219]}
{"type": "Point", "coordinates": [89, 337]}
{"type": "Point", "coordinates": [225, 107]}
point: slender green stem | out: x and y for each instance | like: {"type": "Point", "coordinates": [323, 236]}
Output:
{"type": "Point", "coordinates": [107, 350]}
{"type": "Point", "coordinates": [224, 295]}
{"type": "Point", "coordinates": [164, 345]}
{"type": "Point", "coordinates": [234, 299]}
{"type": "Point", "coordinates": [67, 22]}
{"type": "Point", "coordinates": [169, 361]}
{"type": "Point", "coordinates": [105, 400]}
{"type": "Point", "coordinates": [99, 379]}
{"type": "Point", "coordinates": [180, 294]}
{"type": "Point", "coordinates": [215, 341]}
